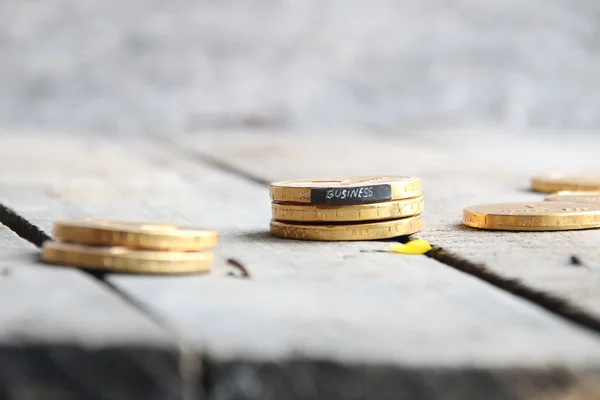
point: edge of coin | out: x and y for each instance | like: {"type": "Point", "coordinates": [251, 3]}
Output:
{"type": "Point", "coordinates": [394, 209]}
{"type": "Point", "coordinates": [560, 183]}
{"type": "Point", "coordinates": [557, 195]}
{"type": "Point", "coordinates": [500, 222]}
{"type": "Point", "coordinates": [302, 194]}
{"type": "Point", "coordinates": [177, 240]}
{"type": "Point", "coordinates": [347, 231]}
{"type": "Point", "coordinates": [126, 260]}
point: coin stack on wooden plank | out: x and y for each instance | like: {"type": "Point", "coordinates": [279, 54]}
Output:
{"type": "Point", "coordinates": [351, 208]}
{"type": "Point", "coordinates": [130, 247]}
{"type": "Point", "coordinates": [574, 204]}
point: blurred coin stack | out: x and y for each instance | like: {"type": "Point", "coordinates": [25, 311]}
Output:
{"type": "Point", "coordinates": [350, 208]}
{"type": "Point", "coordinates": [557, 182]}
{"type": "Point", "coordinates": [574, 188]}
{"type": "Point", "coordinates": [130, 247]}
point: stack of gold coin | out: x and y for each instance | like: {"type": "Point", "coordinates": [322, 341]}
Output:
{"type": "Point", "coordinates": [350, 208]}
{"type": "Point", "coordinates": [130, 247]}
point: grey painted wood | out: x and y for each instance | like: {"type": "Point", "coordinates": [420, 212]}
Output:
{"type": "Point", "coordinates": [64, 335]}
{"type": "Point", "coordinates": [323, 380]}
{"type": "Point", "coordinates": [306, 300]}
{"type": "Point", "coordinates": [63, 304]}
{"type": "Point", "coordinates": [147, 65]}
{"type": "Point", "coordinates": [459, 168]}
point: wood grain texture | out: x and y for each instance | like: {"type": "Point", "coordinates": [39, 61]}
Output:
{"type": "Point", "coordinates": [328, 301]}
{"type": "Point", "coordinates": [459, 168]}
{"type": "Point", "coordinates": [64, 335]}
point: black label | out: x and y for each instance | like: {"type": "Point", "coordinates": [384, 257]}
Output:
{"type": "Point", "coordinates": [351, 195]}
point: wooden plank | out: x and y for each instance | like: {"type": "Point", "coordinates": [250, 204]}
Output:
{"type": "Point", "coordinates": [459, 168]}
{"type": "Point", "coordinates": [65, 335]}
{"type": "Point", "coordinates": [409, 315]}
{"type": "Point", "coordinates": [324, 380]}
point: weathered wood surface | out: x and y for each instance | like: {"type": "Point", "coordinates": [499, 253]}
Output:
{"type": "Point", "coordinates": [458, 168]}
{"type": "Point", "coordinates": [63, 335]}
{"type": "Point", "coordinates": [417, 320]}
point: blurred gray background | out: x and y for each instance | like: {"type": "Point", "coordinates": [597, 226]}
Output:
{"type": "Point", "coordinates": [173, 65]}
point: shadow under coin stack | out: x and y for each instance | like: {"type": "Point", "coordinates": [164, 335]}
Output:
{"type": "Point", "coordinates": [351, 208]}
{"type": "Point", "coordinates": [127, 247]}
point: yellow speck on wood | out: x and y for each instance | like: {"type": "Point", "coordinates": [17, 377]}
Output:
{"type": "Point", "coordinates": [417, 246]}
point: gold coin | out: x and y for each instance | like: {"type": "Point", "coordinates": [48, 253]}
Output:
{"type": "Point", "coordinates": [122, 259]}
{"type": "Point", "coordinates": [338, 232]}
{"type": "Point", "coordinates": [534, 216]}
{"type": "Point", "coordinates": [348, 190]}
{"type": "Point", "coordinates": [575, 197]}
{"type": "Point", "coordinates": [552, 183]}
{"type": "Point", "coordinates": [338, 213]}
{"type": "Point", "coordinates": [135, 235]}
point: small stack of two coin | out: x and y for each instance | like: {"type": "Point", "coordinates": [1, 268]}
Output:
{"type": "Point", "coordinates": [130, 247]}
{"type": "Point", "coordinates": [351, 208]}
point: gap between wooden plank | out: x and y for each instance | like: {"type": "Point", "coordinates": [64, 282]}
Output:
{"type": "Point", "coordinates": [545, 299]}
{"type": "Point", "coordinates": [564, 308]}
{"type": "Point", "coordinates": [465, 324]}
{"type": "Point", "coordinates": [33, 234]}
{"type": "Point", "coordinates": [64, 336]}
{"type": "Point", "coordinates": [189, 366]}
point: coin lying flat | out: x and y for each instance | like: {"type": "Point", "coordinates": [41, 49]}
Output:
{"type": "Point", "coordinates": [338, 232]}
{"type": "Point", "coordinates": [348, 190]}
{"type": "Point", "coordinates": [340, 213]}
{"type": "Point", "coordinates": [534, 216]}
{"type": "Point", "coordinates": [552, 183]}
{"type": "Point", "coordinates": [575, 197]}
{"type": "Point", "coordinates": [135, 235]}
{"type": "Point", "coordinates": [121, 259]}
